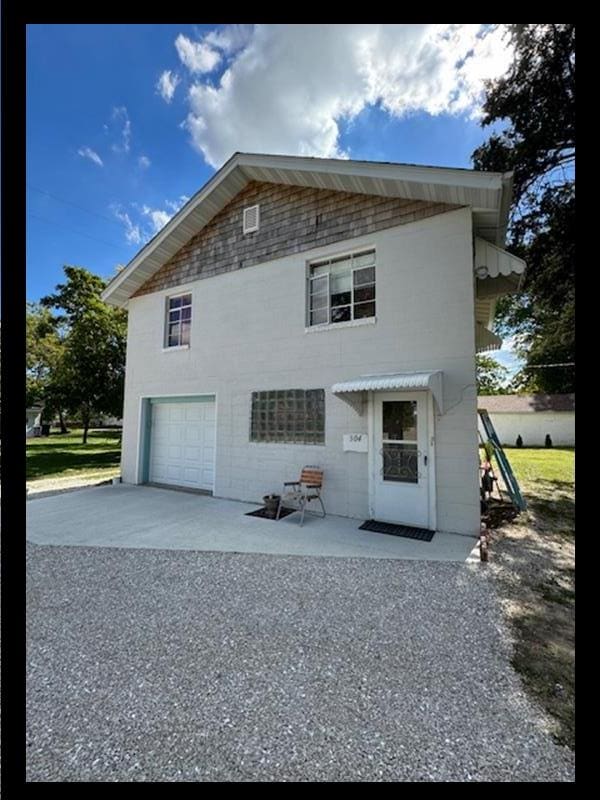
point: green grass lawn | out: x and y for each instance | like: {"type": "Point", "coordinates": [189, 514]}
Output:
{"type": "Point", "coordinates": [546, 477]}
{"type": "Point", "coordinates": [64, 455]}
{"type": "Point", "coordinates": [547, 464]}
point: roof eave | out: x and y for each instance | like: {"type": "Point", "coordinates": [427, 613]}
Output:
{"type": "Point", "coordinates": [469, 184]}
{"type": "Point", "coordinates": [504, 211]}
{"type": "Point", "coordinates": [158, 239]}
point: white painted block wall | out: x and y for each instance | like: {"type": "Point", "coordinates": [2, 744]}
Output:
{"type": "Point", "coordinates": [534, 426]}
{"type": "Point", "coordinates": [248, 334]}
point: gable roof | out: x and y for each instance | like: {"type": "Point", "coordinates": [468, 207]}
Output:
{"type": "Point", "coordinates": [487, 193]}
{"type": "Point", "coordinates": [520, 403]}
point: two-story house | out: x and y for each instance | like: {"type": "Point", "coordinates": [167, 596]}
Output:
{"type": "Point", "coordinates": [302, 311]}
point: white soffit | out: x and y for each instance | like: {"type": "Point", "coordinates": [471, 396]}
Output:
{"type": "Point", "coordinates": [395, 382]}
{"type": "Point", "coordinates": [486, 193]}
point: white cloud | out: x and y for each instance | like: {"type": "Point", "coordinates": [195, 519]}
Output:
{"type": "Point", "coordinates": [507, 356]}
{"type": "Point", "coordinates": [230, 38]}
{"type": "Point", "coordinates": [144, 162]}
{"type": "Point", "coordinates": [120, 119]}
{"type": "Point", "coordinates": [133, 233]}
{"type": "Point", "coordinates": [287, 88]}
{"type": "Point", "coordinates": [198, 57]}
{"type": "Point", "coordinates": [175, 205]}
{"type": "Point", "coordinates": [158, 217]}
{"type": "Point", "coordinates": [146, 221]}
{"type": "Point", "coordinates": [87, 152]}
{"type": "Point", "coordinates": [166, 85]}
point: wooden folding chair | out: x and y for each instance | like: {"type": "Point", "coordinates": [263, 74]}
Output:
{"type": "Point", "coordinates": [300, 493]}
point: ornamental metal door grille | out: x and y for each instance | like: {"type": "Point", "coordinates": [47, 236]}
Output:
{"type": "Point", "coordinates": [399, 436]}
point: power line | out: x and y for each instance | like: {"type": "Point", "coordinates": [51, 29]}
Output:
{"type": "Point", "coordinates": [547, 366]}
{"type": "Point", "coordinates": [72, 230]}
{"type": "Point", "coordinates": [75, 205]}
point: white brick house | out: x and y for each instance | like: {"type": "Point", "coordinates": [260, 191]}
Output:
{"type": "Point", "coordinates": [312, 311]}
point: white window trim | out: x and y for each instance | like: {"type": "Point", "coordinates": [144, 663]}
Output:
{"type": "Point", "coordinates": [175, 348]}
{"type": "Point", "coordinates": [333, 326]}
{"type": "Point", "coordinates": [168, 297]}
{"type": "Point", "coordinates": [314, 262]}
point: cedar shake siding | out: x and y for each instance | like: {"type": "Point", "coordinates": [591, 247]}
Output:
{"type": "Point", "coordinates": [292, 219]}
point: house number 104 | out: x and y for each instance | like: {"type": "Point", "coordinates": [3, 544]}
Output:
{"type": "Point", "coordinates": [357, 442]}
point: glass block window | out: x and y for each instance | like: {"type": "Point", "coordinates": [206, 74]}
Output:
{"type": "Point", "coordinates": [179, 320]}
{"type": "Point", "coordinates": [342, 289]}
{"type": "Point", "coordinates": [293, 416]}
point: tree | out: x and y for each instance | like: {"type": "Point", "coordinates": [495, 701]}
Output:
{"type": "Point", "coordinates": [491, 376]}
{"type": "Point", "coordinates": [536, 102]}
{"type": "Point", "coordinates": [45, 351]}
{"type": "Point", "coordinates": [544, 314]}
{"type": "Point", "coordinates": [92, 369]}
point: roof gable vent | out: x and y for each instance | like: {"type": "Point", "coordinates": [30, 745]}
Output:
{"type": "Point", "coordinates": [251, 219]}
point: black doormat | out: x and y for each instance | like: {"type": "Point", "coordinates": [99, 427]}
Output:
{"type": "Point", "coordinates": [397, 530]}
{"type": "Point", "coordinates": [262, 512]}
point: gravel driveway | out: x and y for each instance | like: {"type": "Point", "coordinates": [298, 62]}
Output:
{"type": "Point", "coordinates": [181, 666]}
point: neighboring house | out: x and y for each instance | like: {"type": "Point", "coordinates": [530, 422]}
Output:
{"type": "Point", "coordinates": [532, 417]}
{"type": "Point", "coordinates": [106, 422]}
{"type": "Point", "coordinates": [303, 311]}
{"type": "Point", "coordinates": [33, 421]}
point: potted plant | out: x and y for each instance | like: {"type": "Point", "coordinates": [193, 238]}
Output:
{"type": "Point", "coordinates": [271, 502]}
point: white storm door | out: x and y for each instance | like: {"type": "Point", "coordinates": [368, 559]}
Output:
{"type": "Point", "coordinates": [401, 471]}
{"type": "Point", "coordinates": [182, 444]}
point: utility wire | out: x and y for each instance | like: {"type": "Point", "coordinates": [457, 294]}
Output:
{"type": "Point", "coordinates": [75, 205]}
{"type": "Point", "coordinates": [547, 366]}
{"type": "Point", "coordinates": [72, 230]}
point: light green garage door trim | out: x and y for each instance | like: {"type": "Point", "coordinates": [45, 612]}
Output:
{"type": "Point", "coordinates": [146, 424]}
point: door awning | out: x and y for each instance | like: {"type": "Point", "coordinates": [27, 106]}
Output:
{"type": "Point", "coordinates": [354, 391]}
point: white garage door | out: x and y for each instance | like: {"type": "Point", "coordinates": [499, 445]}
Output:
{"type": "Point", "coordinates": [182, 444]}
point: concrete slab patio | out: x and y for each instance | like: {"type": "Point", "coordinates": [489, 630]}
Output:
{"type": "Point", "coordinates": [152, 518]}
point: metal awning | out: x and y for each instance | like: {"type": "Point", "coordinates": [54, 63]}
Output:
{"type": "Point", "coordinates": [354, 391]}
{"type": "Point", "coordinates": [485, 339]}
{"type": "Point", "coordinates": [498, 272]}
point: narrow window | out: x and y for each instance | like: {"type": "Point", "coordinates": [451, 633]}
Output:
{"type": "Point", "coordinates": [292, 416]}
{"type": "Point", "coordinates": [342, 289]}
{"type": "Point", "coordinates": [179, 320]}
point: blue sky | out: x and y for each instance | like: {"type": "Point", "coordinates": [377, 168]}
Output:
{"type": "Point", "coordinates": [125, 122]}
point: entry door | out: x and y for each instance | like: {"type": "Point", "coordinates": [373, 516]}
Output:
{"type": "Point", "coordinates": [182, 444]}
{"type": "Point", "coordinates": [401, 479]}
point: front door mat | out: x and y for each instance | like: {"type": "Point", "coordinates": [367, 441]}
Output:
{"type": "Point", "coordinates": [406, 531]}
{"type": "Point", "coordinates": [262, 512]}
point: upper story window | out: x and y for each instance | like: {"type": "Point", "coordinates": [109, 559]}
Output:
{"type": "Point", "coordinates": [179, 320]}
{"type": "Point", "coordinates": [342, 289]}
